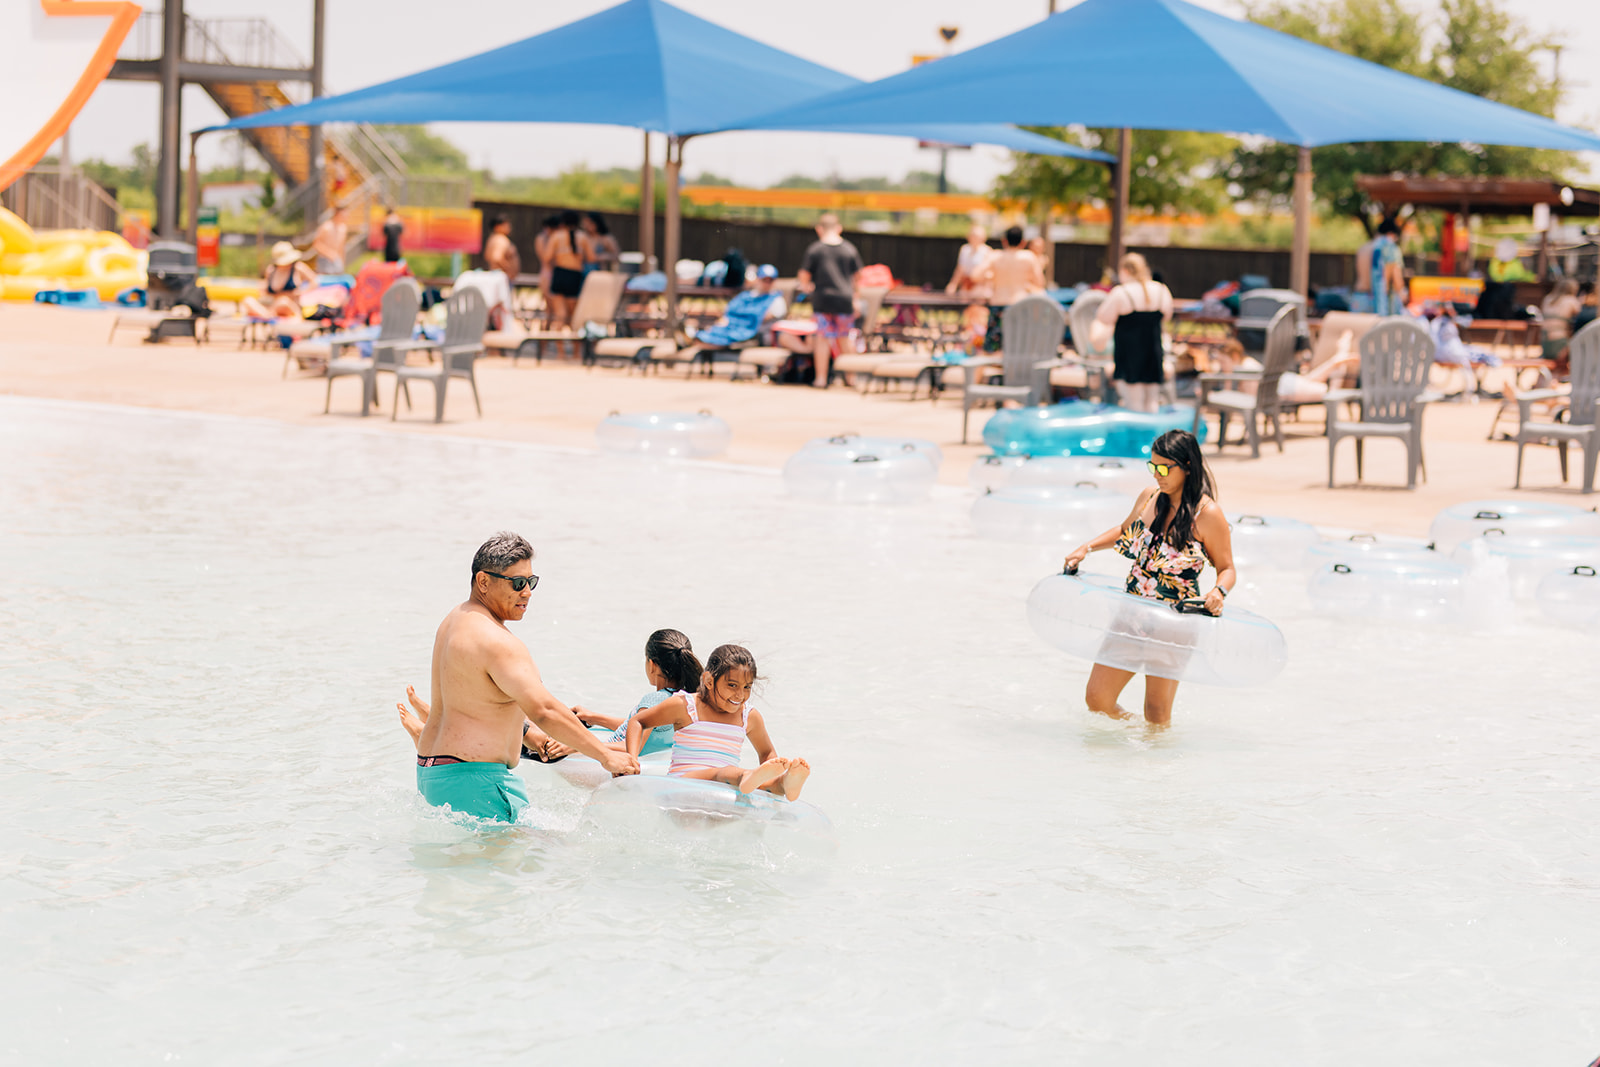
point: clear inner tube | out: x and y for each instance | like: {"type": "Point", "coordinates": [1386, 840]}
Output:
{"type": "Point", "coordinates": [1271, 541]}
{"type": "Point", "coordinates": [1048, 515]}
{"type": "Point", "coordinates": [1571, 597]}
{"type": "Point", "coordinates": [1413, 590]}
{"type": "Point", "coordinates": [1093, 618]}
{"type": "Point", "coordinates": [1528, 559]}
{"type": "Point", "coordinates": [652, 802]}
{"type": "Point", "coordinates": [1369, 550]}
{"type": "Point", "coordinates": [666, 434]}
{"type": "Point", "coordinates": [1112, 473]}
{"type": "Point", "coordinates": [850, 469]}
{"type": "Point", "coordinates": [1515, 518]}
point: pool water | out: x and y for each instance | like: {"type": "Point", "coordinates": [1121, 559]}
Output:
{"type": "Point", "coordinates": [214, 852]}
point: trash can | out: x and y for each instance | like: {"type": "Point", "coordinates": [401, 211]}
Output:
{"type": "Point", "coordinates": [171, 270]}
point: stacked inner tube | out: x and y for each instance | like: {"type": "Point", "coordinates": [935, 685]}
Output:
{"type": "Point", "coordinates": [1368, 550]}
{"type": "Point", "coordinates": [851, 469]}
{"type": "Point", "coordinates": [1113, 473]}
{"type": "Point", "coordinates": [1528, 559]}
{"type": "Point", "coordinates": [1271, 541]}
{"type": "Point", "coordinates": [1513, 518]}
{"type": "Point", "coordinates": [1571, 597]}
{"type": "Point", "coordinates": [1093, 618]}
{"type": "Point", "coordinates": [1048, 514]}
{"type": "Point", "coordinates": [664, 434]}
{"type": "Point", "coordinates": [1411, 589]}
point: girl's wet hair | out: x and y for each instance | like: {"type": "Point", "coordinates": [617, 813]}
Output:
{"type": "Point", "coordinates": [1182, 448]}
{"type": "Point", "coordinates": [669, 650]}
{"type": "Point", "coordinates": [726, 658]}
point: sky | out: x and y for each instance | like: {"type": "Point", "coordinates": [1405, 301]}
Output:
{"type": "Point", "coordinates": [370, 41]}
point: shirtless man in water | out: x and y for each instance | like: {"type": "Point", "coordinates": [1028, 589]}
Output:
{"type": "Point", "coordinates": [485, 689]}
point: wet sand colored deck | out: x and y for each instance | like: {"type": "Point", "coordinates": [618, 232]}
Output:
{"type": "Point", "coordinates": [63, 354]}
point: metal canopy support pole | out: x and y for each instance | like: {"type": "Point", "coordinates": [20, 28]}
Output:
{"type": "Point", "coordinates": [315, 161]}
{"type": "Point", "coordinates": [172, 33]}
{"type": "Point", "coordinates": [1120, 175]}
{"type": "Point", "coordinates": [1300, 255]}
{"type": "Point", "coordinates": [647, 208]}
{"type": "Point", "coordinates": [1049, 263]}
{"type": "Point", "coordinates": [192, 229]}
{"type": "Point", "coordinates": [669, 255]}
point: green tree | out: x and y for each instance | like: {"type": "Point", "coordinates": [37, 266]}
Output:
{"type": "Point", "coordinates": [1472, 45]}
{"type": "Point", "coordinates": [425, 152]}
{"type": "Point", "coordinates": [1170, 169]}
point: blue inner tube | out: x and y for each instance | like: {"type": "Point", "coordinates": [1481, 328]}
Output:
{"type": "Point", "coordinates": [1079, 428]}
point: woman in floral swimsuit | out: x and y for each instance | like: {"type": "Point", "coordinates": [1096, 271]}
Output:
{"type": "Point", "coordinates": [1174, 530]}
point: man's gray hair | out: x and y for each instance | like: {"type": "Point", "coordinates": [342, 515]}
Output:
{"type": "Point", "coordinates": [500, 552]}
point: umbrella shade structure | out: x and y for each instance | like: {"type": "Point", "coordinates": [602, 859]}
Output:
{"type": "Point", "coordinates": [1168, 65]}
{"type": "Point", "coordinates": [642, 64]}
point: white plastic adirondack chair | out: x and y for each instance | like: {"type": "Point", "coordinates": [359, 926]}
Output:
{"type": "Point", "coordinates": [1395, 358]}
{"type": "Point", "coordinates": [1031, 331]}
{"type": "Point", "coordinates": [1583, 410]}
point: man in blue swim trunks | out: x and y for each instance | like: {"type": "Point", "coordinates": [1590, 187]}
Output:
{"type": "Point", "coordinates": [485, 688]}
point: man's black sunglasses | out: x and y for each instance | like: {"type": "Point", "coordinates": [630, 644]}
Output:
{"type": "Point", "coordinates": [517, 584]}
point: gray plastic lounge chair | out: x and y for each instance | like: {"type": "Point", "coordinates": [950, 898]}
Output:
{"type": "Point", "coordinates": [1583, 410]}
{"type": "Point", "coordinates": [1216, 395]}
{"type": "Point", "coordinates": [1031, 331]}
{"type": "Point", "coordinates": [1096, 361]}
{"type": "Point", "coordinates": [398, 314]}
{"type": "Point", "coordinates": [598, 300]}
{"type": "Point", "coordinates": [1258, 306]}
{"type": "Point", "coordinates": [466, 316]}
{"type": "Point", "coordinates": [1396, 355]}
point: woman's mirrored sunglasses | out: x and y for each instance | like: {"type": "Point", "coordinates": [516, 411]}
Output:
{"type": "Point", "coordinates": [1160, 470]}
{"type": "Point", "coordinates": [517, 584]}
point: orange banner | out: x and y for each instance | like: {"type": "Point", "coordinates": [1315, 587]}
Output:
{"type": "Point", "coordinates": [430, 229]}
{"type": "Point", "coordinates": [1439, 290]}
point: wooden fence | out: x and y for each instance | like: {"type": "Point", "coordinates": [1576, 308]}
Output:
{"type": "Point", "coordinates": [915, 260]}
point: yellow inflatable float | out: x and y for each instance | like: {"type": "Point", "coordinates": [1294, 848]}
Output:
{"type": "Point", "coordinates": [31, 261]}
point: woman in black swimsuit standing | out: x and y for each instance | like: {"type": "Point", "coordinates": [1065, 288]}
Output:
{"type": "Point", "coordinates": [1131, 317]}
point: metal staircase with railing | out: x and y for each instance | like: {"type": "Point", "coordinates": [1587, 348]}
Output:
{"type": "Point", "coordinates": [360, 168]}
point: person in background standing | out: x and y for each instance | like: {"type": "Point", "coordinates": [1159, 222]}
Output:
{"type": "Point", "coordinates": [393, 227]}
{"type": "Point", "coordinates": [1013, 274]}
{"type": "Point", "coordinates": [1388, 272]}
{"type": "Point", "coordinates": [971, 263]}
{"type": "Point", "coordinates": [829, 272]}
{"type": "Point", "coordinates": [330, 241]}
{"type": "Point", "coordinates": [567, 248]}
{"type": "Point", "coordinates": [500, 252]}
{"type": "Point", "coordinates": [1132, 316]}
{"type": "Point", "coordinates": [604, 253]}
{"type": "Point", "coordinates": [541, 249]}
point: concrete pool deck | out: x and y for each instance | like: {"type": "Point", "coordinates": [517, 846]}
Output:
{"type": "Point", "coordinates": [63, 354]}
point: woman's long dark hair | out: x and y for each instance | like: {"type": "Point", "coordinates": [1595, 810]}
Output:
{"type": "Point", "coordinates": [669, 650]}
{"type": "Point", "coordinates": [1181, 447]}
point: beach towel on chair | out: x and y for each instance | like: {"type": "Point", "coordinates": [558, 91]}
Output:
{"type": "Point", "coordinates": [744, 317]}
{"type": "Point", "coordinates": [366, 297]}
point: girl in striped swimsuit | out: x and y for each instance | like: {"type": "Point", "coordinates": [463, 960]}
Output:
{"type": "Point", "coordinates": [710, 727]}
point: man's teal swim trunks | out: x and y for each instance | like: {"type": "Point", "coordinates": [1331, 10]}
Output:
{"type": "Point", "coordinates": [487, 790]}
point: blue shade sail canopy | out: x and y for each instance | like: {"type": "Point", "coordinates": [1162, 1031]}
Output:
{"type": "Point", "coordinates": [643, 64]}
{"type": "Point", "coordinates": [1168, 65]}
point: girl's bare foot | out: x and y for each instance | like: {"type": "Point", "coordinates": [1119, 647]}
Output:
{"type": "Point", "coordinates": [765, 774]}
{"type": "Point", "coordinates": [799, 771]}
{"type": "Point", "coordinates": [414, 718]}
